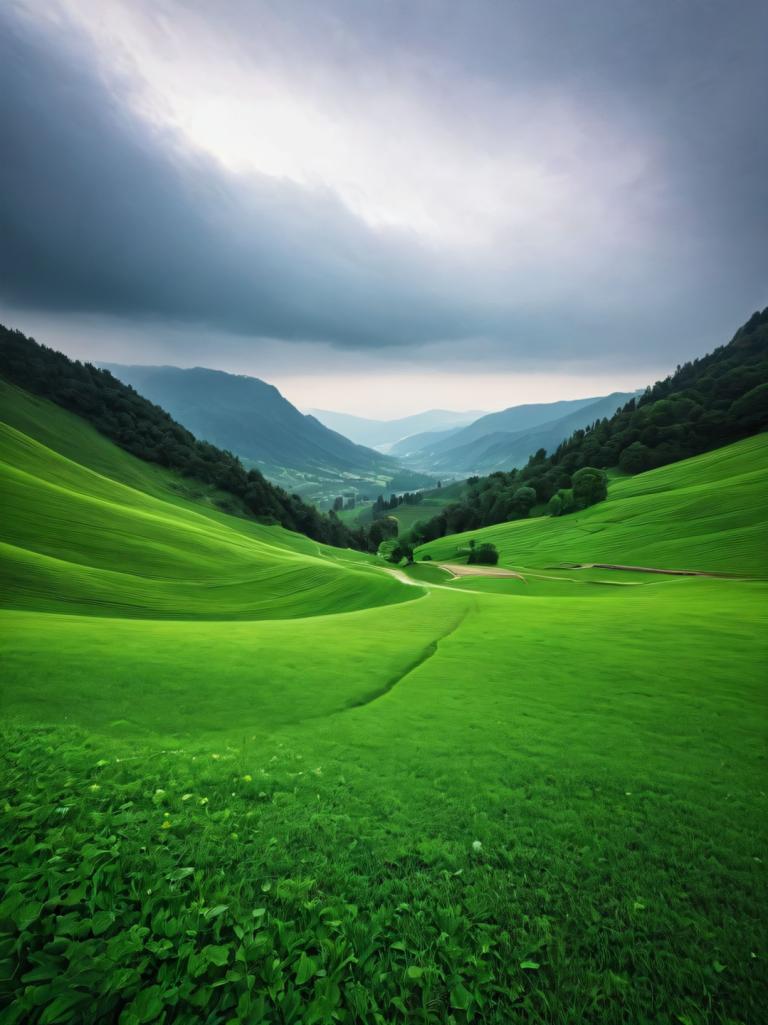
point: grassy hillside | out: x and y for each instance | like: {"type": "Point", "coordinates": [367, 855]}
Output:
{"type": "Point", "coordinates": [120, 541]}
{"type": "Point", "coordinates": [707, 403]}
{"type": "Point", "coordinates": [705, 513]}
{"type": "Point", "coordinates": [245, 781]}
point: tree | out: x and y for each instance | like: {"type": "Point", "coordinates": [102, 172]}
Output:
{"type": "Point", "coordinates": [484, 554]}
{"type": "Point", "coordinates": [523, 500]}
{"type": "Point", "coordinates": [556, 505]}
{"type": "Point", "coordinates": [589, 486]}
{"type": "Point", "coordinates": [635, 458]}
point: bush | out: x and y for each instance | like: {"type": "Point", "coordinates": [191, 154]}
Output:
{"type": "Point", "coordinates": [485, 554]}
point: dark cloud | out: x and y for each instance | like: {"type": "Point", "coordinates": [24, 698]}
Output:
{"type": "Point", "coordinates": [102, 212]}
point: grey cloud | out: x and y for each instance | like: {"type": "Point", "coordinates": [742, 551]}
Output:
{"type": "Point", "coordinates": [101, 213]}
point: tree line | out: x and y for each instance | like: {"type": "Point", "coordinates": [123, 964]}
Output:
{"type": "Point", "coordinates": [706, 403]}
{"type": "Point", "coordinates": [147, 431]}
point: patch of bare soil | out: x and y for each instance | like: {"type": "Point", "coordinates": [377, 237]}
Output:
{"type": "Point", "coordinates": [458, 569]}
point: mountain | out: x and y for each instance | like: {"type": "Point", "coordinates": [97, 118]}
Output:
{"type": "Point", "coordinates": [247, 416]}
{"type": "Point", "coordinates": [503, 450]}
{"type": "Point", "coordinates": [383, 434]}
{"type": "Point", "coordinates": [251, 418]}
{"type": "Point", "coordinates": [505, 439]}
{"type": "Point", "coordinates": [707, 403]}
{"type": "Point", "coordinates": [515, 418]}
{"type": "Point", "coordinates": [416, 442]}
{"type": "Point", "coordinates": [145, 430]}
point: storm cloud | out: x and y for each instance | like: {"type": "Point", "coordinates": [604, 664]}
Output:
{"type": "Point", "coordinates": [537, 183]}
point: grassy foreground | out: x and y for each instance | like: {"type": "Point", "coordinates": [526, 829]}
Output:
{"type": "Point", "coordinates": [430, 803]}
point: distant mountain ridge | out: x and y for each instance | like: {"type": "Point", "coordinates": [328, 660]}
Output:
{"type": "Point", "coordinates": [247, 416]}
{"type": "Point", "coordinates": [387, 433]}
{"type": "Point", "coordinates": [503, 440]}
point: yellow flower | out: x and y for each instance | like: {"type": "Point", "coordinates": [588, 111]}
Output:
{"type": "Point", "coordinates": [166, 824]}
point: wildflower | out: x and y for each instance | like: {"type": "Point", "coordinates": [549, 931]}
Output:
{"type": "Point", "coordinates": [247, 778]}
{"type": "Point", "coordinates": [186, 797]}
{"type": "Point", "coordinates": [476, 846]}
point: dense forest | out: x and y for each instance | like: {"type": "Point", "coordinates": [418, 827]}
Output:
{"type": "Point", "coordinates": [147, 431]}
{"type": "Point", "coordinates": [706, 403]}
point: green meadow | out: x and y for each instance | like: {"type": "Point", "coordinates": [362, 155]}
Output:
{"type": "Point", "coordinates": [251, 779]}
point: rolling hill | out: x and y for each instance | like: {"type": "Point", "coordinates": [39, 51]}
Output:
{"type": "Point", "coordinates": [254, 776]}
{"type": "Point", "coordinates": [91, 529]}
{"type": "Point", "coordinates": [705, 514]}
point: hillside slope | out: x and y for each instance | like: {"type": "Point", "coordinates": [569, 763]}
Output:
{"type": "Point", "coordinates": [90, 529]}
{"type": "Point", "coordinates": [505, 439]}
{"type": "Point", "coordinates": [503, 450]}
{"type": "Point", "coordinates": [708, 513]}
{"type": "Point", "coordinates": [149, 432]}
{"type": "Point", "coordinates": [249, 417]}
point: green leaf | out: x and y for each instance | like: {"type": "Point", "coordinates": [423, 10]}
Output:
{"type": "Point", "coordinates": [59, 1009]}
{"type": "Point", "coordinates": [101, 921]}
{"type": "Point", "coordinates": [460, 997]}
{"type": "Point", "coordinates": [215, 955]}
{"type": "Point", "coordinates": [530, 965]}
{"type": "Point", "coordinates": [719, 967]}
{"type": "Point", "coordinates": [215, 912]}
{"type": "Point", "coordinates": [27, 914]}
{"type": "Point", "coordinates": [305, 969]}
{"type": "Point", "coordinates": [414, 971]}
{"type": "Point", "coordinates": [147, 1005]}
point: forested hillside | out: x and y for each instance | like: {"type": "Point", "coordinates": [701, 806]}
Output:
{"type": "Point", "coordinates": [147, 431]}
{"type": "Point", "coordinates": [251, 418]}
{"type": "Point", "coordinates": [706, 403]}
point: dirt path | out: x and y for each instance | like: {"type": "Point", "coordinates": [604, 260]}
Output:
{"type": "Point", "coordinates": [457, 569]}
{"type": "Point", "coordinates": [651, 569]}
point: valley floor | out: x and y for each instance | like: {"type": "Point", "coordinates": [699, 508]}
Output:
{"type": "Point", "coordinates": [538, 797]}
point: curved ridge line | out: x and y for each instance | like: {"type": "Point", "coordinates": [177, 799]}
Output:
{"type": "Point", "coordinates": [426, 654]}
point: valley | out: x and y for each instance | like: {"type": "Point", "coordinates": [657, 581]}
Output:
{"type": "Point", "coordinates": [312, 787]}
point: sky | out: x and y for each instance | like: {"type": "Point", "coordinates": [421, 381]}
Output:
{"type": "Point", "coordinates": [383, 206]}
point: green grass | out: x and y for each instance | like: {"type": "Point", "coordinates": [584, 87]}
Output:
{"type": "Point", "coordinates": [480, 801]}
{"type": "Point", "coordinates": [706, 514]}
{"type": "Point", "coordinates": [77, 539]}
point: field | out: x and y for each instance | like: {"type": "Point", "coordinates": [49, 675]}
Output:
{"type": "Point", "coordinates": [250, 779]}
